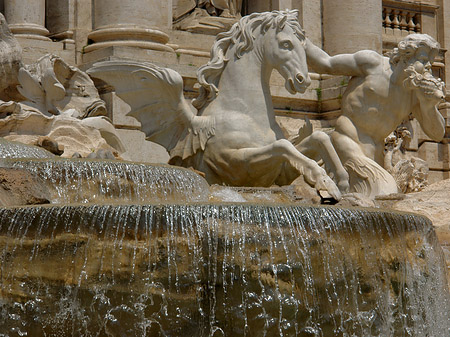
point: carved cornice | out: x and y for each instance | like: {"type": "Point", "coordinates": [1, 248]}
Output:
{"type": "Point", "coordinates": [416, 6]}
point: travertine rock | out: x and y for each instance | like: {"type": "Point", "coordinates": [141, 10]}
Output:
{"type": "Point", "coordinates": [434, 203]}
{"type": "Point", "coordinates": [50, 145]}
{"type": "Point", "coordinates": [19, 187]}
{"type": "Point", "coordinates": [26, 124]}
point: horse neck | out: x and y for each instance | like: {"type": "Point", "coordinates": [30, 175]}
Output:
{"type": "Point", "coordinates": [245, 80]}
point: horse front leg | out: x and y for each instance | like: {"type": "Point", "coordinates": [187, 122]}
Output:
{"type": "Point", "coordinates": [282, 155]}
{"type": "Point", "coordinates": [319, 146]}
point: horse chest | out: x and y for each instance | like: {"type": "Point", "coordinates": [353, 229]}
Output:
{"type": "Point", "coordinates": [238, 130]}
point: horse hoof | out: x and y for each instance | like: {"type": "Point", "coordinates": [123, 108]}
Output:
{"type": "Point", "coordinates": [327, 189]}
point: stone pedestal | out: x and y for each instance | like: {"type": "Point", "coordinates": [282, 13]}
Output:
{"type": "Point", "coordinates": [352, 25]}
{"type": "Point", "coordinates": [132, 23]}
{"type": "Point", "coordinates": [26, 18]}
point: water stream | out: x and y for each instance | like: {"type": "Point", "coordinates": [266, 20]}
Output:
{"type": "Point", "coordinates": [97, 181]}
{"type": "Point", "coordinates": [219, 270]}
{"type": "Point", "coordinates": [129, 249]}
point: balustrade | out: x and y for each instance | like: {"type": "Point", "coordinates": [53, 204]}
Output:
{"type": "Point", "coordinates": [401, 22]}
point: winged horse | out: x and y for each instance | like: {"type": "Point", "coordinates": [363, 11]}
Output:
{"type": "Point", "coordinates": [229, 132]}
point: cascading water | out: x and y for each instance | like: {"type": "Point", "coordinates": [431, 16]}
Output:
{"type": "Point", "coordinates": [10, 149]}
{"type": "Point", "coordinates": [130, 249]}
{"type": "Point", "coordinates": [219, 270]}
{"type": "Point", "coordinates": [92, 180]}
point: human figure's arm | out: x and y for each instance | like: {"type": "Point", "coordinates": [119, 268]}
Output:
{"type": "Point", "coordinates": [357, 64]}
{"type": "Point", "coordinates": [429, 118]}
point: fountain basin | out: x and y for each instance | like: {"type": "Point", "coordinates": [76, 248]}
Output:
{"type": "Point", "coordinates": [212, 270]}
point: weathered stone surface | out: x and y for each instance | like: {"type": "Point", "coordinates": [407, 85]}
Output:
{"type": "Point", "coordinates": [26, 124]}
{"type": "Point", "coordinates": [50, 145]}
{"type": "Point", "coordinates": [140, 150]}
{"type": "Point", "coordinates": [11, 61]}
{"type": "Point", "coordinates": [20, 187]}
{"type": "Point", "coordinates": [130, 23]}
{"type": "Point", "coordinates": [27, 18]}
{"type": "Point", "coordinates": [54, 87]}
{"type": "Point", "coordinates": [182, 7]}
{"type": "Point", "coordinates": [434, 203]}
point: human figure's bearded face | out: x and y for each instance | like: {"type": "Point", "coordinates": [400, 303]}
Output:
{"type": "Point", "coordinates": [420, 77]}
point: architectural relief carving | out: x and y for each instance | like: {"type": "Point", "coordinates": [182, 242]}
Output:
{"type": "Point", "coordinates": [233, 138]}
{"type": "Point", "coordinates": [206, 16]}
{"type": "Point", "coordinates": [380, 95]}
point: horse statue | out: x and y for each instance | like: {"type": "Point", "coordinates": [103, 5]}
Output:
{"type": "Point", "coordinates": [230, 133]}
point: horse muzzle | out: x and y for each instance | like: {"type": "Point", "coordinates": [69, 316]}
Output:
{"type": "Point", "coordinates": [298, 84]}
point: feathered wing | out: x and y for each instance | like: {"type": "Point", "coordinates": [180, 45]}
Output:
{"type": "Point", "coordinates": [156, 98]}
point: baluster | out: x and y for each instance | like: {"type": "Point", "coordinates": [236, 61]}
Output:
{"type": "Point", "coordinates": [388, 21]}
{"type": "Point", "coordinates": [418, 28]}
{"type": "Point", "coordinates": [403, 23]}
{"type": "Point", "coordinates": [411, 24]}
{"type": "Point", "coordinates": [396, 22]}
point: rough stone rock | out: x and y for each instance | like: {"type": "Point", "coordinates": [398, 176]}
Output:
{"type": "Point", "coordinates": [25, 124]}
{"type": "Point", "coordinates": [101, 154]}
{"type": "Point", "coordinates": [434, 203]}
{"type": "Point", "coordinates": [50, 145]}
{"type": "Point", "coordinates": [19, 187]}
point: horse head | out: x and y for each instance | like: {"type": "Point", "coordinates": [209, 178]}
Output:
{"type": "Point", "coordinates": [276, 37]}
{"type": "Point", "coordinates": [284, 50]}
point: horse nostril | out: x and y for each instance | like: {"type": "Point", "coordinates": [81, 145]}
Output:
{"type": "Point", "coordinates": [300, 78]}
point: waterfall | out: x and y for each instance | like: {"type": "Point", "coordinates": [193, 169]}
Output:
{"type": "Point", "coordinates": [10, 149]}
{"type": "Point", "coordinates": [202, 269]}
{"type": "Point", "coordinates": [97, 181]}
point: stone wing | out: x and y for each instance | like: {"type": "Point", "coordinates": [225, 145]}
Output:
{"type": "Point", "coordinates": [155, 96]}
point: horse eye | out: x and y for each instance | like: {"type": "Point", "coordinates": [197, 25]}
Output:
{"type": "Point", "coordinates": [287, 44]}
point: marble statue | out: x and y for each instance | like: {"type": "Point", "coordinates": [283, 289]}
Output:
{"type": "Point", "coordinates": [410, 174]}
{"type": "Point", "coordinates": [382, 93]}
{"type": "Point", "coordinates": [233, 136]}
{"type": "Point", "coordinates": [51, 100]}
{"type": "Point", "coordinates": [54, 87]}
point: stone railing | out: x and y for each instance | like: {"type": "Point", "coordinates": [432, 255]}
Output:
{"type": "Point", "coordinates": [401, 22]}
{"type": "Point", "coordinates": [401, 18]}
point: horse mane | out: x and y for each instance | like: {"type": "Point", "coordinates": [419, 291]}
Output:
{"type": "Point", "coordinates": [241, 35]}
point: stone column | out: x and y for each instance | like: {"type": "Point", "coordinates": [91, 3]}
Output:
{"type": "Point", "coordinates": [352, 25]}
{"type": "Point", "coordinates": [26, 18]}
{"type": "Point", "coordinates": [133, 23]}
